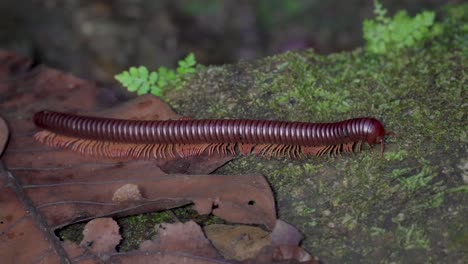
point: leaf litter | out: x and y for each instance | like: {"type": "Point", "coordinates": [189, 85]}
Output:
{"type": "Point", "coordinates": [44, 189]}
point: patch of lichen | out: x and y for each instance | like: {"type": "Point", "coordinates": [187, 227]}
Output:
{"type": "Point", "coordinates": [360, 207]}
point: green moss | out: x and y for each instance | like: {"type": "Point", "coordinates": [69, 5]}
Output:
{"type": "Point", "coordinates": [187, 213]}
{"type": "Point", "coordinates": [360, 207]}
{"type": "Point", "coordinates": [412, 237]}
{"type": "Point", "coordinates": [419, 180]}
{"type": "Point", "coordinates": [306, 90]}
{"type": "Point", "coordinates": [459, 235]}
{"type": "Point", "coordinates": [135, 229]}
{"type": "Point", "coordinates": [72, 233]}
{"type": "Point", "coordinates": [138, 228]}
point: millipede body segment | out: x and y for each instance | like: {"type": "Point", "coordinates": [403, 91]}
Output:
{"type": "Point", "coordinates": [172, 138]}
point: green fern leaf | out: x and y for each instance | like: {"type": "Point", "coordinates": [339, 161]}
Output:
{"type": "Point", "coordinates": [133, 72]}
{"type": "Point", "coordinates": [144, 88]}
{"type": "Point", "coordinates": [190, 60]}
{"type": "Point", "coordinates": [143, 72]}
{"type": "Point", "coordinates": [156, 91]}
{"type": "Point", "coordinates": [390, 35]}
{"type": "Point", "coordinates": [142, 81]}
{"type": "Point", "coordinates": [133, 86]}
{"type": "Point", "coordinates": [153, 77]}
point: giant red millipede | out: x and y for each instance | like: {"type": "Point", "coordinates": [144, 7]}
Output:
{"type": "Point", "coordinates": [166, 139]}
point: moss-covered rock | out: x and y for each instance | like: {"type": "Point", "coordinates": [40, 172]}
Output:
{"type": "Point", "coordinates": [410, 205]}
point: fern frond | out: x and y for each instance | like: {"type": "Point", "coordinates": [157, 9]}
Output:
{"type": "Point", "coordinates": [142, 81]}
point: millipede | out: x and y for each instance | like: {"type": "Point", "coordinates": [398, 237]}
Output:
{"type": "Point", "coordinates": [170, 139]}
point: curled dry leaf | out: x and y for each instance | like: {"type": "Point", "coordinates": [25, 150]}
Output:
{"type": "Point", "coordinates": [101, 235]}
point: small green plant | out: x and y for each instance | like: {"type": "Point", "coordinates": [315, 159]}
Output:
{"type": "Point", "coordinates": [386, 35]}
{"type": "Point", "coordinates": [142, 81]}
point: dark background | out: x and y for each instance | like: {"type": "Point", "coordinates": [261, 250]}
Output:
{"type": "Point", "coordinates": [96, 39]}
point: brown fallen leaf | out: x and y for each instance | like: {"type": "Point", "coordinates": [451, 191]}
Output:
{"type": "Point", "coordinates": [238, 242]}
{"type": "Point", "coordinates": [44, 189]}
{"type": "Point", "coordinates": [24, 236]}
{"type": "Point", "coordinates": [286, 239]}
{"type": "Point", "coordinates": [46, 88]}
{"type": "Point", "coordinates": [83, 191]}
{"type": "Point", "coordinates": [183, 237]}
{"type": "Point", "coordinates": [48, 174]}
{"type": "Point", "coordinates": [174, 243]}
{"type": "Point", "coordinates": [285, 234]}
{"type": "Point", "coordinates": [186, 243]}
{"type": "Point", "coordinates": [293, 253]}
{"type": "Point", "coordinates": [251, 244]}
{"type": "Point", "coordinates": [101, 236]}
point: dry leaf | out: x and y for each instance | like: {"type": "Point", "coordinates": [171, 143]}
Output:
{"type": "Point", "coordinates": [174, 243]}
{"type": "Point", "coordinates": [68, 187]}
{"type": "Point", "coordinates": [101, 235]}
{"type": "Point", "coordinates": [24, 237]}
{"type": "Point", "coordinates": [253, 245]}
{"type": "Point", "coordinates": [293, 253]}
{"type": "Point", "coordinates": [238, 242]}
{"type": "Point", "coordinates": [78, 193]}
{"type": "Point", "coordinates": [181, 237]}
{"type": "Point", "coordinates": [43, 189]}
{"type": "Point", "coordinates": [285, 234]}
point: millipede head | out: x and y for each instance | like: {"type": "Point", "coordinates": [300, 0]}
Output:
{"type": "Point", "coordinates": [376, 133]}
